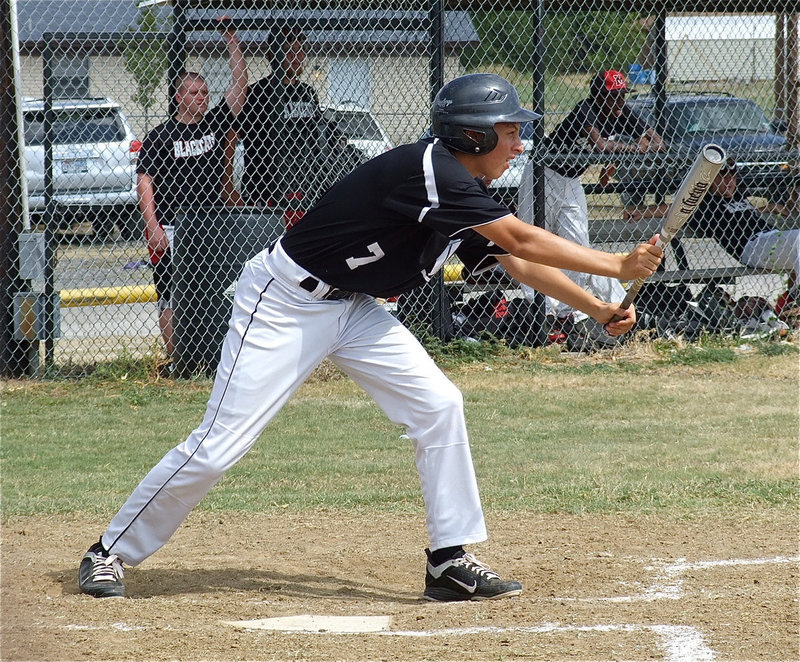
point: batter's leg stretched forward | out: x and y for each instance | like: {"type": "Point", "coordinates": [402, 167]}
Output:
{"type": "Point", "coordinates": [384, 357]}
{"type": "Point", "coordinates": [281, 327]}
{"type": "Point", "coordinates": [277, 336]}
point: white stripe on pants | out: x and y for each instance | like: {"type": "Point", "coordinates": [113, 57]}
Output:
{"type": "Point", "coordinates": [278, 334]}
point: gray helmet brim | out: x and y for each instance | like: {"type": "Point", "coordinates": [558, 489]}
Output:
{"type": "Point", "coordinates": [522, 115]}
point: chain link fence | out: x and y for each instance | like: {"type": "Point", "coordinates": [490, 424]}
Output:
{"type": "Point", "coordinates": [329, 89]}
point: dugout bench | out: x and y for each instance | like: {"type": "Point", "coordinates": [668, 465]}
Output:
{"type": "Point", "coordinates": [623, 235]}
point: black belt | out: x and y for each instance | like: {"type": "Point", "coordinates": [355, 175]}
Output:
{"type": "Point", "coordinates": [311, 284]}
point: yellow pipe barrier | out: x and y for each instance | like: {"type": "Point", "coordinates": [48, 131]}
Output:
{"type": "Point", "coordinates": [111, 296]}
{"type": "Point", "coordinates": [107, 296]}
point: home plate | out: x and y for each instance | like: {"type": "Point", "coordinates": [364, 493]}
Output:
{"type": "Point", "coordinates": [309, 623]}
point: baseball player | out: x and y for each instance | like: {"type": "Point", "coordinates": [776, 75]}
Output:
{"type": "Point", "coordinates": [385, 229]}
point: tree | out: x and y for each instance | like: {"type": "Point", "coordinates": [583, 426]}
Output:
{"type": "Point", "coordinates": [146, 60]}
{"type": "Point", "coordinates": [582, 40]}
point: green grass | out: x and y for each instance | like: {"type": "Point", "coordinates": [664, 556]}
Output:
{"type": "Point", "coordinates": [668, 432]}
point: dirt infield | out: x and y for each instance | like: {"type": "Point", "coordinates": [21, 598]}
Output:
{"type": "Point", "coordinates": [595, 588]}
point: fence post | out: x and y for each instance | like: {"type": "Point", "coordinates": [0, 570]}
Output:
{"type": "Point", "coordinates": [17, 357]}
{"type": "Point", "coordinates": [176, 52]}
{"type": "Point", "coordinates": [539, 68]}
{"type": "Point", "coordinates": [50, 206]}
{"type": "Point", "coordinates": [441, 318]}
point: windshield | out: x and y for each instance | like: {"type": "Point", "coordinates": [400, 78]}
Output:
{"type": "Point", "coordinates": [75, 126]}
{"type": "Point", "coordinates": [718, 117]}
{"type": "Point", "coordinates": [353, 124]}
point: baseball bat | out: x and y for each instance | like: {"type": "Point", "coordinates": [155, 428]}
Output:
{"type": "Point", "coordinates": [692, 190]}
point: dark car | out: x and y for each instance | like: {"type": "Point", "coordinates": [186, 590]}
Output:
{"type": "Point", "coordinates": [738, 125]}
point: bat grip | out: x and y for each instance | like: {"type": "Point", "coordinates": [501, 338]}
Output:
{"type": "Point", "coordinates": [690, 193]}
{"type": "Point", "coordinates": [633, 290]}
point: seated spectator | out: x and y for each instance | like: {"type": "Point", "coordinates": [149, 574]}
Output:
{"type": "Point", "coordinates": [744, 231]}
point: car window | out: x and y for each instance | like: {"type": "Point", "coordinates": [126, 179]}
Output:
{"type": "Point", "coordinates": [526, 130]}
{"type": "Point", "coordinates": [360, 126]}
{"type": "Point", "coordinates": [74, 126]}
{"type": "Point", "coordinates": [718, 118]}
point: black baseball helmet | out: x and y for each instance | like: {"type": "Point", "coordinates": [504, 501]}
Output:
{"type": "Point", "coordinates": [475, 102]}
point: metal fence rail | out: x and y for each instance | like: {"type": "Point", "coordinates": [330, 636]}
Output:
{"type": "Point", "coordinates": [93, 78]}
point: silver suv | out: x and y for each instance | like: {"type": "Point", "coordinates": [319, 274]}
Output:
{"type": "Point", "coordinates": [94, 162]}
{"type": "Point", "coordinates": [362, 130]}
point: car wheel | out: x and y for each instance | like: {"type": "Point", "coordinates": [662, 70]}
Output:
{"type": "Point", "coordinates": [130, 223]}
{"type": "Point", "coordinates": [102, 224]}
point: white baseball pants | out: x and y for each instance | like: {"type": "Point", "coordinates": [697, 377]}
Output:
{"type": "Point", "coordinates": [278, 334]}
{"type": "Point", "coordinates": [566, 214]}
{"type": "Point", "coordinates": [775, 249]}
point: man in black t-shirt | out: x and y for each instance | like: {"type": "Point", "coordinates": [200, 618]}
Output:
{"type": "Point", "coordinates": [384, 229]}
{"type": "Point", "coordinates": [277, 127]}
{"type": "Point", "coordinates": [181, 167]}
{"type": "Point", "coordinates": [290, 150]}
{"type": "Point", "coordinates": [594, 125]}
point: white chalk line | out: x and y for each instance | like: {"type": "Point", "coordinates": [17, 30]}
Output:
{"type": "Point", "coordinates": [668, 584]}
{"type": "Point", "coordinates": [680, 643]}
{"type": "Point", "coordinates": [122, 627]}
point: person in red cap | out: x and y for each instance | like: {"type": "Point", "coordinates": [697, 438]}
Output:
{"type": "Point", "coordinates": [594, 125]}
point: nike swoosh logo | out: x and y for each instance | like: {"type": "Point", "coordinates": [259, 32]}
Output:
{"type": "Point", "coordinates": [470, 588]}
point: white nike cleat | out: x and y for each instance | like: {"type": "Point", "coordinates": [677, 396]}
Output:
{"type": "Point", "coordinates": [465, 578]}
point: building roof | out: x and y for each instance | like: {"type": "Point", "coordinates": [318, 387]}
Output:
{"type": "Point", "coordinates": [343, 26]}
{"type": "Point", "coordinates": [651, 6]}
{"type": "Point", "coordinates": [35, 18]}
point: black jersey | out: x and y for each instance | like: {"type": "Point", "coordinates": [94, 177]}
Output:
{"type": "Point", "coordinates": [390, 225]}
{"type": "Point", "coordinates": [186, 162]}
{"type": "Point", "coordinates": [572, 134]}
{"type": "Point", "coordinates": [731, 221]}
{"type": "Point", "coordinates": [279, 125]}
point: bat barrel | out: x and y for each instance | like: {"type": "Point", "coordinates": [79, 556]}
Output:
{"type": "Point", "coordinates": [692, 190]}
{"type": "Point", "coordinates": [713, 154]}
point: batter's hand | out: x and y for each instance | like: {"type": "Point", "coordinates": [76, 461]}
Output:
{"type": "Point", "coordinates": [642, 261]}
{"type": "Point", "coordinates": [157, 242]}
{"type": "Point", "coordinates": [621, 326]}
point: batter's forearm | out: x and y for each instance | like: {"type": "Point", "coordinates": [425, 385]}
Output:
{"type": "Point", "coordinates": [553, 283]}
{"type": "Point", "coordinates": [549, 249]}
